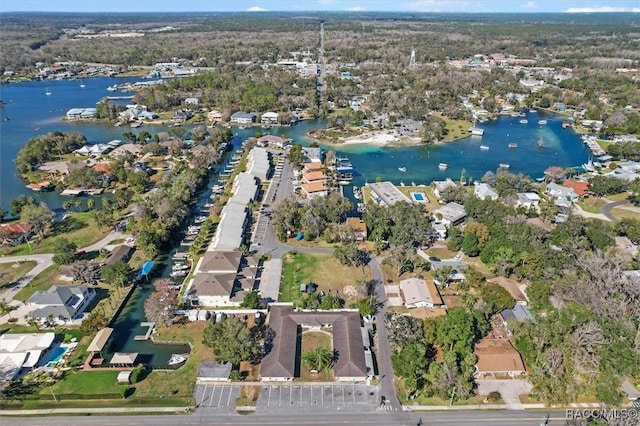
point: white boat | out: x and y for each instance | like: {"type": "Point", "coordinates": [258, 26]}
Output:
{"type": "Point", "coordinates": [524, 121]}
{"type": "Point", "coordinates": [443, 166]}
{"type": "Point", "coordinates": [402, 169]}
{"type": "Point", "coordinates": [542, 122]}
{"type": "Point", "coordinates": [112, 88]}
{"type": "Point", "coordinates": [177, 359]}
{"type": "Point", "coordinates": [47, 92]}
{"type": "Point", "coordinates": [484, 147]}
{"type": "Point", "coordinates": [357, 193]}
{"type": "Point", "coordinates": [178, 274]}
{"type": "Point", "coordinates": [82, 83]}
{"type": "Point", "coordinates": [513, 145]}
{"type": "Point", "coordinates": [504, 165]}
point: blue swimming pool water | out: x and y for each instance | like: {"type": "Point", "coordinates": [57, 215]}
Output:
{"type": "Point", "coordinates": [57, 353]}
{"type": "Point", "coordinates": [417, 196]}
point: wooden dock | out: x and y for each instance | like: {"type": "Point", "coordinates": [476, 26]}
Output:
{"type": "Point", "coordinates": [151, 325]}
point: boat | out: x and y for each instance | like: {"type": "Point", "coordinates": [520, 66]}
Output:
{"type": "Point", "coordinates": [360, 207]}
{"type": "Point", "coordinates": [542, 122]}
{"type": "Point", "coordinates": [524, 121]}
{"type": "Point", "coordinates": [177, 359]}
{"type": "Point", "coordinates": [47, 92]}
{"type": "Point", "coordinates": [242, 127]}
{"type": "Point", "coordinates": [484, 147]}
{"type": "Point", "coordinates": [82, 83]}
{"type": "Point", "coordinates": [402, 169]}
{"type": "Point", "coordinates": [112, 88]}
{"type": "Point", "coordinates": [533, 110]}
{"type": "Point", "coordinates": [443, 166]}
{"type": "Point", "coordinates": [513, 145]}
{"type": "Point", "coordinates": [357, 193]}
{"type": "Point", "coordinates": [178, 274]}
{"type": "Point", "coordinates": [476, 131]}
{"type": "Point", "coordinates": [540, 143]}
{"type": "Point", "coordinates": [504, 165]}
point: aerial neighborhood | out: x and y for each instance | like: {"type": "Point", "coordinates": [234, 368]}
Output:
{"type": "Point", "coordinates": [387, 216]}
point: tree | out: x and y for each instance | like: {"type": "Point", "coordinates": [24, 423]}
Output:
{"type": "Point", "coordinates": [116, 274]}
{"type": "Point", "coordinates": [3, 214]}
{"type": "Point", "coordinates": [319, 359]}
{"type": "Point", "coordinates": [94, 322]}
{"type": "Point", "coordinates": [21, 201]}
{"type": "Point", "coordinates": [470, 244]}
{"type": "Point", "coordinates": [329, 302]}
{"type": "Point", "coordinates": [64, 251]}
{"type": "Point", "coordinates": [296, 156]}
{"type": "Point", "coordinates": [161, 304]}
{"type": "Point", "coordinates": [496, 298]}
{"type": "Point", "coordinates": [349, 254]}
{"type": "Point", "coordinates": [86, 272]}
{"type": "Point", "coordinates": [411, 363]}
{"type": "Point", "coordinates": [232, 341]}
{"type": "Point", "coordinates": [251, 300]}
{"type": "Point", "coordinates": [39, 217]}
{"type": "Point", "coordinates": [403, 329]}
{"type": "Point", "coordinates": [365, 305]}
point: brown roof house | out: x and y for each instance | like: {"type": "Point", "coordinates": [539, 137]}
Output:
{"type": "Point", "coordinates": [420, 293]}
{"type": "Point", "coordinates": [356, 226]}
{"type": "Point", "coordinates": [354, 361]}
{"type": "Point", "coordinates": [15, 233]}
{"type": "Point", "coordinates": [497, 358]}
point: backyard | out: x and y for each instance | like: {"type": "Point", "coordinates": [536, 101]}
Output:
{"type": "Point", "coordinates": [12, 272]}
{"type": "Point", "coordinates": [310, 342]}
{"type": "Point", "coordinates": [321, 269]}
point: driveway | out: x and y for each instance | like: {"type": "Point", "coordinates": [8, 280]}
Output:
{"type": "Point", "coordinates": [510, 390]}
{"type": "Point", "coordinates": [607, 208]}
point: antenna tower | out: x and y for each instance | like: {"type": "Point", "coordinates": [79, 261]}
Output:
{"type": "Point", "coordinates": [412, 61]}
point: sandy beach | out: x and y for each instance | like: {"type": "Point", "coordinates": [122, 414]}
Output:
{"type": "Point", "coordinates": [379, 138]}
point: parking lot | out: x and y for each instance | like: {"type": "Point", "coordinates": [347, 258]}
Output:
{"type": "Point", "coordinates": [218, 397]}
{"type": "Point", "coordinates": [320, 397]}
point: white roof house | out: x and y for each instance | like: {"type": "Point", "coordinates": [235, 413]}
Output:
{"type": "Point", "coordinates": [418, 292]}
{"type": "Point", "coordinates": [484, 191]}
{"type": "Point", "coordinates": [62, 303]}
{"type": "Point", "coordinates": [450, 214]}
{"type": "Point", "coordinates": [387, 194]}
{"type": "Point", "coordinates": [561, 192]}
{"type": "Point", "coordinates": [269, 117]}
{"type": "Point", "coordinates": [528, 199]}
{"type": "Point", "coordinates": [441, 185]}
{"type": "Point", "coordinates": [258, 163]}
{"type": "Point", "coordinates": [19, 351]}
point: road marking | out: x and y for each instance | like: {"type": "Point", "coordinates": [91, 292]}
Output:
{"type": "Point", "coordinates": [230, 392]}
{"type": "Point", "coordinates": [333, 398]}
{"type": "Point", "coordinates": [269, 397]}
{"type": "Point", "coordinates": [222, 390]}
{"type": "Point", "coordinates": [322, 395]}
{"type": "Point", "coordinates": [280, 397]}
{"type": "Point", "coordinates": [353, 390]}
{"type": "Point", "coordinates": [343, 401]}
{"type": "Point", "coordinates": [213, 390]}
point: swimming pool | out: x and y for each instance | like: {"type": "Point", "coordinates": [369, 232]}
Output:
{"type": "Point", "coordinates": [56, 355]}
{"type": "Point", "coordinates": [419, 197]}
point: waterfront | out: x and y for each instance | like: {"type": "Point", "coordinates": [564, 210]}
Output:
{"type": "Point", "coordinates": [33, 113]}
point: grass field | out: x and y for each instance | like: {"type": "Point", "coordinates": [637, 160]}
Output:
{"type": "Point", "coordinates": [310, 342]}
{"type": "Point", "coordinates": [12, 272]}
{"type": "Point", "coordinates": [591, 204]}
{"type": "Point", "coordinates": [85, 383]}
{"type": "Point", "coordinates": [457, 129]}
{"type": "Point", "coordinates": [620, 213]}
{"type": "Point", "coordinates": [42, 282]}
{"type": "Point", "coordinates": [322, 269]}
{"type": "Point", "coordinates": [78, 227]}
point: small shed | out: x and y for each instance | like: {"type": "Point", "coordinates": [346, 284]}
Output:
{"type": "Point", "coordinates": [124, 377]}
{"type": "Point", "coordinates": [213, 371]}
{"type": "Point", "coordinates": [97, 344]}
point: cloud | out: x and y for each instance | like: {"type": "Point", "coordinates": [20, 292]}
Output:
{"type": "Point", "coordinates": [439, 5]}
{"type": "Point", "coordinates": [530, 5]}
{"type": "Point", "coordinates": [257, 9]}
{"type": "Point", "coordinates": [356, 9]}
{"type": "Point", "coordinates": [326, 2]}
{"type": "Point", "coordinates": [602, 9]}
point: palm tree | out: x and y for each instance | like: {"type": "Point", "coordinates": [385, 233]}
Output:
{"type": "Point", "coordinates": [5, 308]}
{"type": "Point", "coordinates": [319, 359]}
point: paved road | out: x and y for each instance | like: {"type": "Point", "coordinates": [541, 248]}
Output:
{"type": "Point", "coordinates": [383, 348]}
{"type": "Point", "coordinates": [449, 418]}
{"type": "Point", "coordinates": [43, 261]}
{"type": "Point", "coordinates": [607, 208]}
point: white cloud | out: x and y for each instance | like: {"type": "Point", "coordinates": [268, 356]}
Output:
{"type": "Point", "coordinates": [530, 5]}
{"type": "Point", "coordinates": [439, 5]}
{"type": "Point", "coordinates": [356, 9]}
{"type": "Point", "coordinates": [602, 9]}
{"type": "Point", "coordinates": [326, 2]}
{"type": "Point", "coordinates": [257, 9]}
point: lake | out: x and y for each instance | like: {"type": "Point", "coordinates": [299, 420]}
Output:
{"type": "Point", "coordinates": [31, 113]}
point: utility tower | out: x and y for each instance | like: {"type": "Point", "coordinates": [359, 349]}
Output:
{"type": "Point", "coordinates": [412, 61]}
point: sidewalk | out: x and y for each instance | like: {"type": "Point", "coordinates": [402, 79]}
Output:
{"type": "Point", "coordinates": [97, 410]}
{"type": "Point", "coordinates": [498, 407]}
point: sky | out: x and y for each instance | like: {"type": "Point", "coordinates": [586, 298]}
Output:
{"type": "Point", "coordinates": [484, 6]}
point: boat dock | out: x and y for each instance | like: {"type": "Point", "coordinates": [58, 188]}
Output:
{"type": "Point", "coordinates": [151, 325]}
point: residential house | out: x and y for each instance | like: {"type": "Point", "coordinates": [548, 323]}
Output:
{"type": "Point", "coordinates": [258, 163]}
{"type": "Point", "coordinates": [450, 214]}
{"type": "Point", "coordinates": [269, 117]}
{"type": "Point", "coordinates": [181, 116]}
{"type": "Point", "coordinates": [518, 313]}
{"type": "Point", "coordinates": [356, 226]}
{"type": "Point", "coordinates": [62, 303]}
{"type": "Point", "coordinates": [440, 230]}
{"type": "Point", "coordinates": [127, 148]}
{"type": "Point", "coordinates": [497, 358]}
{"type": "Point", "coordinates": [272, 140]}
{"type": "Point", "coordinates": [121, 252]}
{"type": "Point", "coordinates": [528, 200]}
{"type": "Point", "coordinates": [81, 113]}
{"type": "Point", "coordinates": [214, 115]}
{"type": "Point", "coordinates": [19, 352]}
{"type": "Point", "coordinates": [352, 363]}
{"type": "Point", "coordinates": [420, 293]}
{"type": "Point", "coordinates": [241, 117]}
{"type": "Point", "coordinates": [387, 194]}
{"type": "Point", "coordinates": [440, 185]}
{"type": "Point", "coordinates": [314, 155]}
{"type": "Point", "coordinates": [561, 192]}
{"type": "Point", "coordinates": [514, 289]}
{"type": "Point", "coordinates": [15, 233]}
{"type": "Point", "coordinates": [484, 191]}
{"type": "Point", "coordinates": [580, 188]}
{"type": "Point", "coordinates": [314, 183]}
{"type": "Point", "coordinates": [61, 167]}
{"type": "Point", "coordinates": [192, 101]}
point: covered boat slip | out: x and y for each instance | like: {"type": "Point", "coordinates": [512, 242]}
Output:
{"type": "Point", "coordinates": [97, 345]}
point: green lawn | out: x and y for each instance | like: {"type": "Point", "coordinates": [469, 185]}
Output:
{"type": "Point", "coordinates": [85, 383]}
{"type": "Point", "coordinates": [42, 282]}
{"type": "Point", "coordinates": [457, 129]}
{"type": "Point", "coordinates": [297, 269]}
{"type": "Point", "coordinates": [591, 204]}
{"type": "Point", "coordinates": [78, 227]}
{"type": "Point", "coordinates": [11, 272]}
